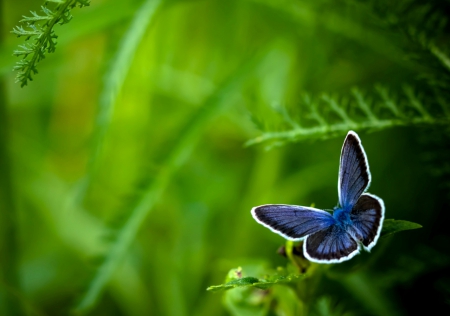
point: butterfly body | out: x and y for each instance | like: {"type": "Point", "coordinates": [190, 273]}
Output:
{"type": "Point", "coordinates": [341, 216]}
{"type": "Point", "coordinates": [331, 238]}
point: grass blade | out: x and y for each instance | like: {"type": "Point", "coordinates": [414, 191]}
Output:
{"type": "Point", "coordinates": [179, 154]}
{"type": "Point", "coordinates": [114, 80]}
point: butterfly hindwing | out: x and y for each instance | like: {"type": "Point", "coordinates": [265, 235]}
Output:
{"type": "Point", "coordinates": [331, 245]}
{"type": "Point", "coordinates": [354, 175]}
{"type": "Point", "coordinates": [291, 221]}
{"type": "Point", "coordinates": [367, 217]}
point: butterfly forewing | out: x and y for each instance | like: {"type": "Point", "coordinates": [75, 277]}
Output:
{"type": "Point", "coordinates": [331, 245]}
{"type": "Point", "coordinates": [367, 217]}
{"type": "Point", "coordinates": [354, 175]}
{"type": "Point", "coordinates": [291, 221]}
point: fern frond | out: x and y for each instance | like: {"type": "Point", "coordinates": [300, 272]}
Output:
{"type": "Point", "coordinates": [441, 56]}
{"type": "Point", "coordinates": [424, 26]}
{"type": "Point", "coordinates": [40, 28]}
{"type": "Point", "coordinates": [378, 112]}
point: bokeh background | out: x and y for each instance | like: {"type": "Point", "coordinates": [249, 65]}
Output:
{"type": "Point", "coordinates": [123, 163]}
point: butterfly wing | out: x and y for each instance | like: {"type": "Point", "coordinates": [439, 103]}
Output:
{"type": "Point", "coordinates": [339, 243]}
{"type": "Point", "coordinates": [331, 245]}
{"type": "Point", "coordinates": [330, 240]}
{"type": "Point", "coordinates": [354, 174]}
{"type": "Point", "coordinates": [367, 216]}
{"type": "Point", "coordinates": [291, 221]}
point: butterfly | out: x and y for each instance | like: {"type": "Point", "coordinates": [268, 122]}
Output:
{"type": "Point", "coordinates": [354, 224]}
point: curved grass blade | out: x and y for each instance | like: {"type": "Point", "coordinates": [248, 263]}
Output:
{"type": "Point", "coordinates": [113, 82]}
{"type": "Point", "coordinates": [179, 154]}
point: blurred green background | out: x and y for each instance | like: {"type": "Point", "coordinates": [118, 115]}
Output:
{"type": "Point", "coordinates": [125, 184]}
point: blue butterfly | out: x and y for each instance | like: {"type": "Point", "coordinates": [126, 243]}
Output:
{"type": "Point", "coordinates": [337, 237]}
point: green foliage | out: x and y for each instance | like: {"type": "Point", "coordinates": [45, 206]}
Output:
{"type": "Point", "coordinates": [180, 152]}
{"type": "Point", "coordinates": [376, 111]}
{"type": "Point", "coordinates": [325, 306]}
{"type": "Point", "coordinates": [422, 27]}
{"type": "Point", "coordinates": [115, 78]}
{"type": "Point", "coordinates": [235, 278]}
{"type": "Point", "coordinates": [141, 208]}
{"type": "Point", "coordinates": [391, 226]}
{"type": "Point", "coordinates": [264, 283]}
{"type": "Point", "coordinates": [126, 188]}
{"type": "Point", "coordinates": [40, 29]}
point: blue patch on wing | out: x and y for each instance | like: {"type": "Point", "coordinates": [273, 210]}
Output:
{"type": "Point", "coordinates": [292, 221]}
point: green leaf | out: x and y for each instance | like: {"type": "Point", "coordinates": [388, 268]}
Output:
{"type": "Point", "coordinates": [255, 282]}
{"type": "Point", "coordinates": [391, 226]}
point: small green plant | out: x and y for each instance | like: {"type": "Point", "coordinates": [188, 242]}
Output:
{"type": "Point", "coordinates": [299, 276]}
{"type": "Point", "coordinates": [40, 28]}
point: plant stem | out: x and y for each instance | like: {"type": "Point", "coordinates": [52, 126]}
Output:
{"type": "Point", "coordinates": [307, 289]}
{"type": "Point", "coordinates": [9, 280]}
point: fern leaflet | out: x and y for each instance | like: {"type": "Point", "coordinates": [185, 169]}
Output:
{"type": "Point", "coordinates": [337, 115]}
{"type": "Point", "coordinates": [41, 29]}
